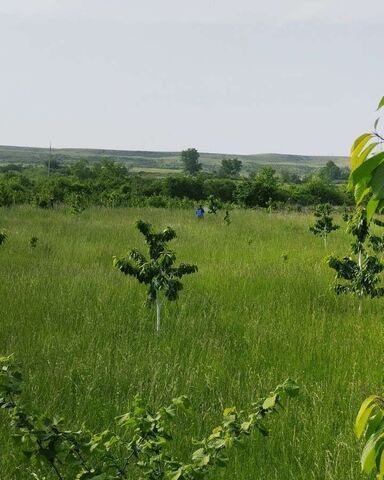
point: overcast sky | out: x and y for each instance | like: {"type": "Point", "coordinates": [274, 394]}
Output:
{"type": "Point", "coordinates": [227, 76]}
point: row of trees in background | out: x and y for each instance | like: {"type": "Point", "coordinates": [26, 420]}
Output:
{"type": "Point", "coordinates": [231, 167]}
{"type": "Point", "coordinates": [110, 184]}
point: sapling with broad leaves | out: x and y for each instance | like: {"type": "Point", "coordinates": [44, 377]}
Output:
{"type": "Point", "coordinates": [138, 447]}
{"type": "Point", "coordinates": [361, 269]}
{"type": "Point", "coordinates": [158, 270]}
{"type": "Point", "coordinates": [324, 222]}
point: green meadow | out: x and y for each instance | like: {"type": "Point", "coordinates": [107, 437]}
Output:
{"type": "Point", "coordinates": [259, 310]}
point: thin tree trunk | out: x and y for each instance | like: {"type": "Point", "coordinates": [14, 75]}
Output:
{"type": "Point", "coordinates": [361, 293]}
{"type": "Point", "coordinates": [325, 240]}
{"type": "Point", "coordinates": [158, 313]}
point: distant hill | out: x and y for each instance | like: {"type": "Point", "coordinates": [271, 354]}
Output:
{"type": "Point", "coordinates": [166, 162]}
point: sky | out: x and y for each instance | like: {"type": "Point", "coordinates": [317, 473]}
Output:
{"type": "Point", "coordinates": [245, 76]}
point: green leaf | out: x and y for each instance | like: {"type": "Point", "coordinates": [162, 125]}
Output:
{"type": "Point", "coordinates": [200, 458]}
{"type": "Point", "coordinates": [361, 191]}
{"type": "Point", "coordinates": [377, 182]}
{"type": "Point", "coordinates": [381, 104]}
{"type": "Point", "coordinates": [376, 123]}
{"type": "Point", "coordinates": [364, 414]}
{"type": "Point", "coordinates": [371, 208]}
{"type": "Point", "coordinates": [175, 475]}
{"type": "Point", "coordinates": [368, 456]}
{"type": "Point", "coordinates": [290, 387]}
{"type": "Point", "coordinates": [359, 154]}
{"type": "Point", "coordinates": [357, 148]}
{"type": "Point", "coordinates": [270, 402]}
{"type": "Point", "coordinates": [367, 167]}
{"type": "Point", "coordinates": [370, 451]}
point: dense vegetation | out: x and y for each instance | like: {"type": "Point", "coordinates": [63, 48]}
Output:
{"type": "Point", "coordinates": [107, 183]}
{"type": "Point", "coordinates": [87, 346]}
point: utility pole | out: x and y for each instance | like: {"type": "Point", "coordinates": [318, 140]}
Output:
{"type": "Point", "coordinates": [49, 157]}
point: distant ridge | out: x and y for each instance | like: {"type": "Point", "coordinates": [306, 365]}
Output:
{"type": "Point", "coordinates": [149, 160]}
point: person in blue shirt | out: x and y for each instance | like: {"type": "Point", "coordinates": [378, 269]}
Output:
{"type": "Point", "coordinates": [200, 212]}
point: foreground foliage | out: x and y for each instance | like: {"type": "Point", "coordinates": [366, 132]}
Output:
{"type": "Point", "coordinates": [369, 426]}
{"type": "Point", "coordinates": [367, 169]}
{"type": "Point", "coordinates": [138, 445]}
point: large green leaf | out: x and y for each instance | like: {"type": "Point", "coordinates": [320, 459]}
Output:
{"type": "Point", "coordinates": [372, 448]}
{"type": "Point", "coordinates": [361, 190]}
{"type": "Point", "coordinates": [270, 402]}
{"type": "Point", "coordinates": [377, 182]}
{"type": "Point", "coordinates": [357, 148]}
{"type": "Point", "coordinates": [371, 208]}
{"type": "Point", "coordinates": [364, 414]}
{"type": "Point", "coordinates": [367, 167]}
{"type": "Point", "coordinates": [360, 159]}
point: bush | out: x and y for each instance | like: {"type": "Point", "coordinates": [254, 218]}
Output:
{"type": "Point", "coordinates": [223, 189]}
{"type": "Point", "coordinates": [184, 187]}
{"type": "Point", "coordinates": [318, 190]}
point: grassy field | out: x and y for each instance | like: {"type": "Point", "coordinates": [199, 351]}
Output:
{"type": "Point", "coordinates": [245, 322]}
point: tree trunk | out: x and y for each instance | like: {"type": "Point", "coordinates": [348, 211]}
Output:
{"type": "Point", "coordinates": [361, 293]}
{"type": "Point", "coordinates": [158, 313]}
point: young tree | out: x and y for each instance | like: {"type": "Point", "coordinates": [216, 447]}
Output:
{"type": "Point", "coordinates": [157, 271]}
{"type": "Point", "coordinates": [361, 274]}
{"type": "Point", "coordinates": [324, 224]}
{"type": "Point", "coordinates": [190, 158]}
{"type": "Point", "coordinates": [230, 167]}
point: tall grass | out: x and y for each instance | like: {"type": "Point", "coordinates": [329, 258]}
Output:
{"type": "Point", "coordinates": [245, 322]}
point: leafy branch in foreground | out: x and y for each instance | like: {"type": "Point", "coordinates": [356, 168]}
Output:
{"type": "Point", "coordinates": [324, 224]}
{"type": "Point", "coordinates": [367, 169]}
{"type": "Point", "coordinates": [369, 426]}
{"type": "Point", "coordinates": [136, 448]}
{"type": "Point", "coordinates": [158, 270]}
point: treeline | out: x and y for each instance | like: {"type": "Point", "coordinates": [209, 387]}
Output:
{"type": "Point", "coordinates": [108, 183]}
